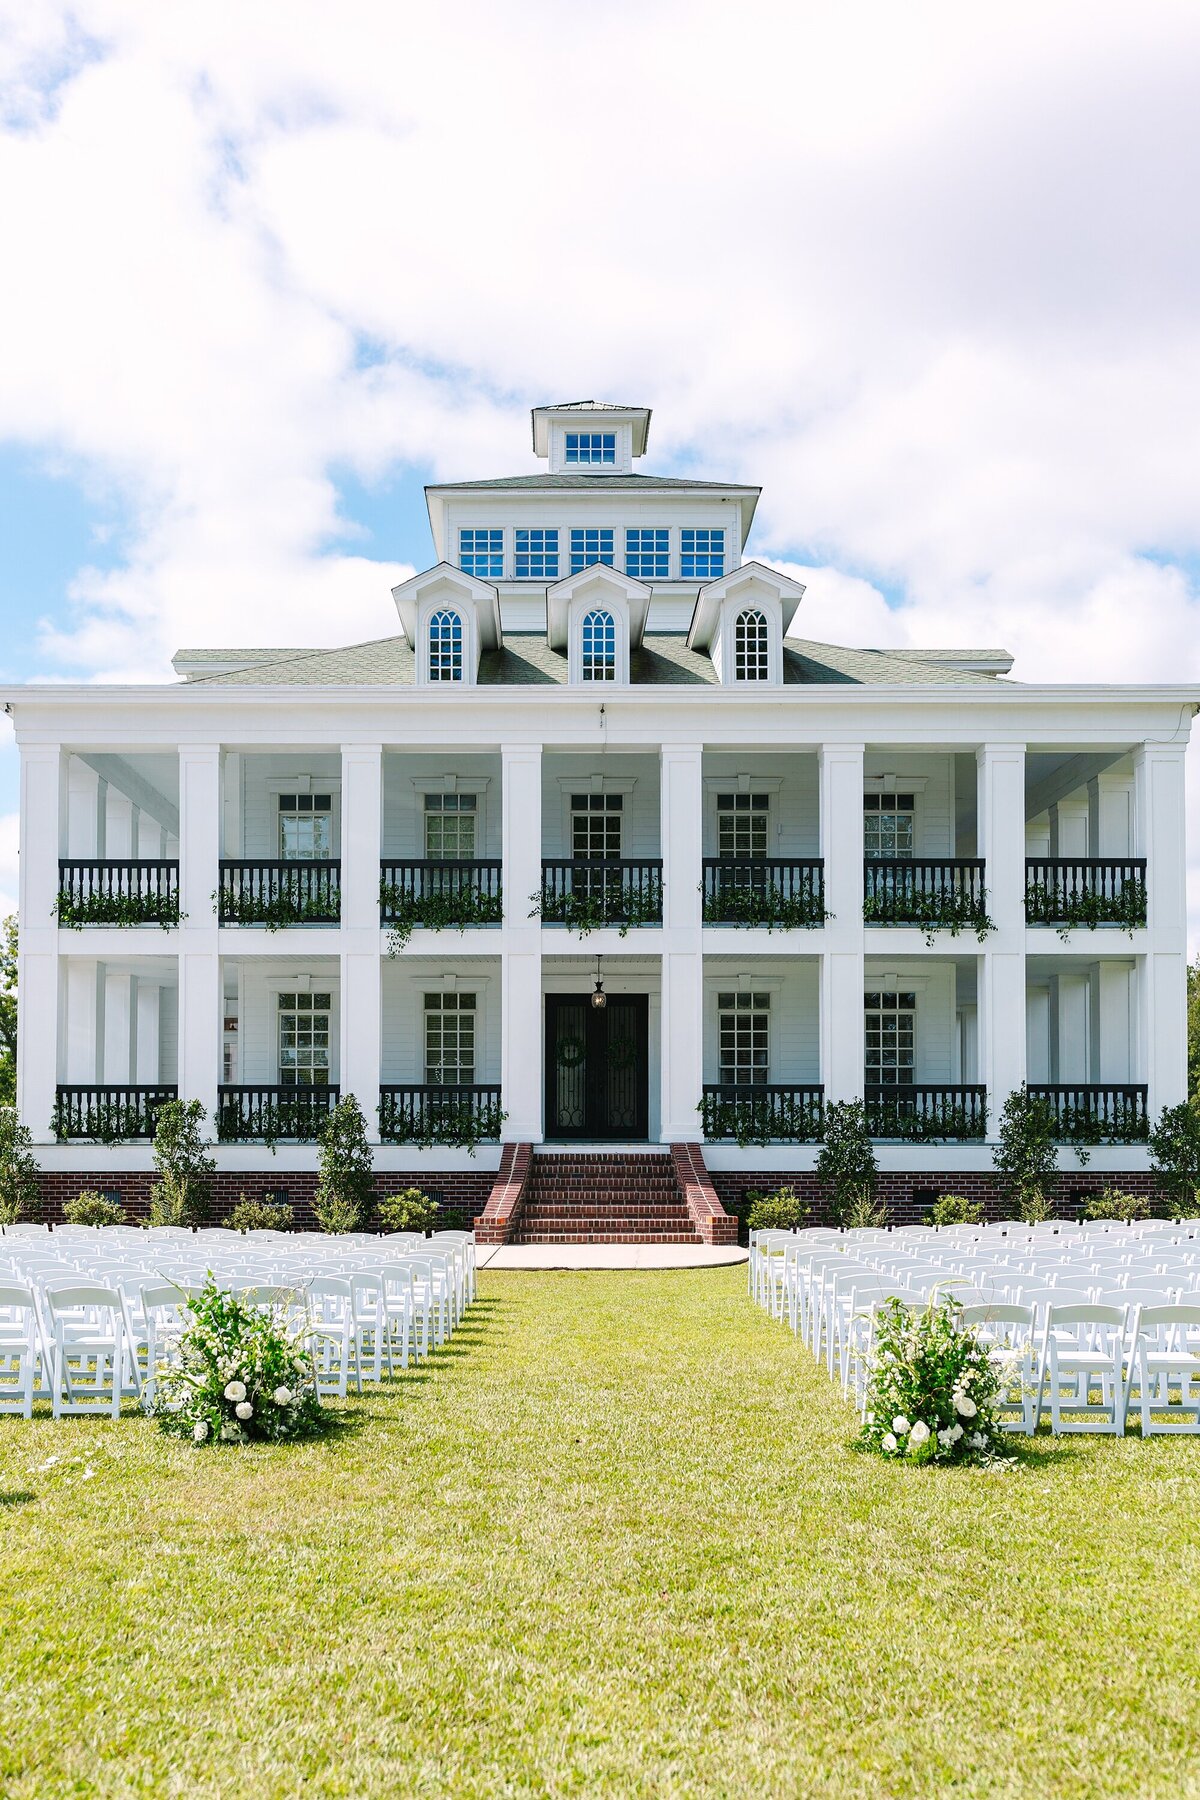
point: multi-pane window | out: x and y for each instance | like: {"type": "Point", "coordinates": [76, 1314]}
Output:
{"type": "Point", "coordinates": [647, 553]}
{"type": "Point", "coordinates": [445, 646]}
{"type": "Point", "coordinates": [887, 825]}
{"type": "Point", "coordinates": [450, 827]}
{"type": "Point", "coordinates": [751, 647]}
{"type": "Point", "coordinates": [599, 647]}
{"type": "Point", "coordinates": [450, 1040]}
{"type": "Point", "coordinates": [591, 544]}
{"type": "Point", "coordinates": [890, 1035]}
{"type": "Point", "coordinates": [743, 1038]}
{"type": "Point", "coordinates": [595, 825]}
{"type": "Point", "coordinates": [742, 826]}
{"type": "Point", "coordinates": [701, 553]}
{"type": "Point", "coordinates": [481, 552]}
{"type": "Point", "coordinates": [305, 827]}
{"type": "Point", "coordinates": [303, 1040]}
{"type": "Point", "coordinates": [537, 552]}
{"type": "Point", "coordinates": [591, 448]}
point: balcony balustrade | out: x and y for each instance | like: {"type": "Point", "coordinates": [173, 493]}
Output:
{"type": "Point", "coordinates": [1067, 891]}
{"type": "Point", "coordinates": [247, 1113]}
{"type": "Point", "coordinates": [117, 891]}
{"type": "Point", "coordinates": [921, 1113]}
{"type": "Point", "coordinates": [585, 894]}
{"type": "Point", "coordinates": [108, 1114]}
{"type": "Point", "coordinates": [774, 1113]}
{"type": "Point", "coordinates": [768, 891]}
{"type": "Point", "coordinates": [424, 1114]}
{"type": "Point", "coordinates": [1090, 1112]}
{"type": "Point", "coordinates": [439, 894]}
{"type": "Point", "coordinates": [276, 893]}
{"type": "Point", "coordinates": [932, 892]}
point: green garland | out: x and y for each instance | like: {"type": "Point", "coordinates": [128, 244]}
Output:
{"type": "Point", "coordinates": [765, 906]}
{"type": "Point", "coordinates": [931, 913]}
{"type": "Point", "coordinates": [761, 1119]}
{"type": "Point", "coordinates": [1127, 909]}
{"type": "Point", "coordinates": [455, 908]}
{"type": "Point", "coordinates": [275, 911]}
{"type": "Point", "coordinates": [452, 1124]}
{"type": "Point", "coordinates": [952, 1124]}
{"type": "Point", "coordinates": [108, 1122]}
{"type": "Point", "coordinates": [298, 1121]}
{"type": "Point", "coordinates": [582, 912]}
{"type": "Point", "coordinates": [118, 909]}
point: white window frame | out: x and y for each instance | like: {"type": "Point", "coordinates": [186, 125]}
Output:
{"type": "Point", "coordinates": [457, 995]}
{"type": "Point", "coordinates": [492, 530]}
{"type": "Point", "coordinates": [618, 610]}
{"type": "Point", "coordinates": [725, 643]}
{"type": "Point", "coordinates": [470, 640]}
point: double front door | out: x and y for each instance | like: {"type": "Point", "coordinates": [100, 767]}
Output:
{"type": "Point", "coordinates": [596, 1067]}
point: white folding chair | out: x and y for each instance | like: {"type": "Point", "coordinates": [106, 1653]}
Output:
{"type": "Point", "coordinates": [1007, 1334]}
{"type": "Point", "coordinates": [333, 1335]}
{"type": "Point", "coordinates": [1084, 1344]}
{"type": "Point", "coordinates": [163, 1308]}
{"type": "Point", "coordinates": [22, 1348]}
{"type": "Point", "coordinates": [87, 1331]}
{"type": "Point", "coordinates": [1161, 1354]}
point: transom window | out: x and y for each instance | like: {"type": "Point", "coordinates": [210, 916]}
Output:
{"type": "Point", "coordinates": [599, 660]}
{"type": "Point", "coordinates": [481, 552]}
{"type": "Point", "coordinates": [743, 1038]}
{"type": "Point", "coordinates": [303, 1040]}
{"type": "Point", "coordinates": [647, 553]}
{"type": "Point", "coordinates": [742, 826]}
{"type": "Point", "coordinates": [887, 826]}
{"type": "Point", "coordinates": [890, 1035]}
{"type": "Point", "coordinates": [450, 1040]}
{"type": "Point", "coordinates": [591, 544]}
{"type": "Point", "coordinates": [751, 647]}
{"type": "Point", "coordinates": [537, 552]}
{"type": "Point", "coordinates": [450, 826]}
{"type": "Point", "coordinates": [445, 646]}
{"type": "Point", "coordinates": [701, 553]}
{"type": "Point", "coordinates": [596, 825]}
{"type": "Point", "coordinates": [591, 447]}
{"type": "Point", "coordinates": [305, 827]}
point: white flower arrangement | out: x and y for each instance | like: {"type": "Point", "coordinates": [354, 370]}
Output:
{"type": "Point", "coordinates": [925, 1363]}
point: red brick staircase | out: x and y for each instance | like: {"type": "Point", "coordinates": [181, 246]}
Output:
{"type": "Point", "coordinates": [603, 1197]}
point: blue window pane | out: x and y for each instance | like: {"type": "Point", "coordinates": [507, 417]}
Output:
{"type": "Point", "coordinates": [591, 545]}
{"type": "Point", "coordinates": [647, 553]}
{"type": "Point", "coordinates": [537, 554]}
{"type": "Point", "coordinates": [599, 647]}
{"type": "Point", "coordinates": [701, 554]}
{"type": "Point", "coordinates": [591, 447]}
{"type": "Point", "coordinates": [445, 647]}
{"type": "Point", "coordinates": [481, 552]}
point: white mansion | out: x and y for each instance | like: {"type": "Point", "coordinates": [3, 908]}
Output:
{"type": "Point", "coordinates": [597, 755]}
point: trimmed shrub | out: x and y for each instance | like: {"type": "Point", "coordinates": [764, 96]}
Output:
{"type": "Point", "coordinates": [1113, 1204]}
{"type": "Point", "coordinates": [955, 1209]}
{"type": "Point", "coordinates": [410, 1211]}
{"type": "Point", "coordinates": [19, 1190]}
{"type": "Point", "coordinates": [91, 1208]}
{"type": "Point", "coordinates": [260, 1215]}
{"type": "Point", "coordinates": [183, 1192]}
{"type": "Point", "coordinates": [345, 1195]}
{"type": "Point", "coordinates": [846, 1166]}
{"type": "Point", "coordinates": [783, 1210]}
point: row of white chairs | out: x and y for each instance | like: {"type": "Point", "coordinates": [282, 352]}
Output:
{"type": "Point", "coordinates": [1081, 1320]}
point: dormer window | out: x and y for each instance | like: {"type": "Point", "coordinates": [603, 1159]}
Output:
{"type": "Point", "coordinates": [751, 646]}
{"type": "Point", "coordinates": [701, 553]}
{"type": "Point", "coordinates": [599, 648]}
{"type": "Point", "coordinates": [591, 448]}
{"type": "Point", "coordinates": [591, 545]}
{"type": "Point", "coordinates": [481, 552]}
{"type": "Point", "coordinates": [445, 646]}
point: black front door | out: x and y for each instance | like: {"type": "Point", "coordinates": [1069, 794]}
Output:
{"type": "Point", "coordinates": [596, 1067]}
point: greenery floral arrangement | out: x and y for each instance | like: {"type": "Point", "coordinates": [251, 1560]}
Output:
{"type": "Point", "coordinates": [455, 907]}
{"type": "Point", "coordinates": [235, 1375]}
{"type": "Point", "coordinates": [933, 1391]}
{"type": "Point", "coordinates": [410, 1211]}
{"type": "Point", "coordinates": [955, 1209]}
{"type": "Point", "coordinates": [73, 912]}
{"type": "Point", "coordinates": [765, 906]}
{"type": "Point", "coordinates": [93, 1208]}
{"type": "Point", "coordinates": [583, 911]}
{"type": "Point", "coordinates": [260, 1215]}
{"type": "Point", "coordinates": [760, 1118]}
{"type": "Point", "coordinates": [1047, 905]}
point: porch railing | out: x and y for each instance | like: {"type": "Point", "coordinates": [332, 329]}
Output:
{"type": "Point", "coordinates": [924, 1113]}
{"type": "Point", "coordinates": [1090, 1112]}
{"type": "Point", "coordinates": [117, 891]}
{"type": "Point", "coordinates": [769, 891]}
{"type": "Point", "coordinates": [424, 1113]}
{"type": "Point", "coordinates": [927, 891]}
{"type": "Point", "coordinates": [261, 1115]}
{"type": "Point", "coordinates": [603, 891]}
{"type": "Point", "coordinates": [109, 1114]}
{"type": "Point", "coordinates": [426, 892]}
{"type": "Point", "coordinates": [276, 893]}
{"type": "Point", "coordinates": [1085, 890]}
{"type": "Point", "coordinates": [776, 1113]}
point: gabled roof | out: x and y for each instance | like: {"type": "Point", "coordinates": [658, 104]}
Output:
{"type": "Point", "coordinates": [466, 589]}
{"type": "Point", "coordinates": [746, 577]}
{"type": "Point", "coordinates": [603, 580]}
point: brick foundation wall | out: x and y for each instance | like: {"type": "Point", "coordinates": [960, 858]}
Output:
{"type": "Point", "coordinates": [461, 1193]}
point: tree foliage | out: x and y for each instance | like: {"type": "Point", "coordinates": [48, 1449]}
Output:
{"type": "Point", "coordinates": [1175, 1153]}
{"type": "Point", "coordinates": [1193, 1022]}
{"type": "Point", "coordinates": [1026, 1154]}
{"type": "Point", "coordinates": [846, 1166]}
{"type": "Point", "coordinates": [8, 1011]}
{"type": "Point", "coordinates": [183, 1193]}
{"type": "Point", "coordinates": [20, 1191]}
{"type": "Point", "coordinates": [345, 1195]}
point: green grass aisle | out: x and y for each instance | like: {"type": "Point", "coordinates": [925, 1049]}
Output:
{"type": "Point", "coordinates": [609, 1542]}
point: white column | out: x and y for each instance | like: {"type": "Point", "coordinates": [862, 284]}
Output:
{"type": "Point", "coordinates": [521, 1035]}
{"type": "Point", "coordinates": [1001, 964]}
{"type": "Point", "coordinates": [199, 961]}
{"type": "Point", "coordinates": [148, 1064]}
{"type": "Point", "coordinates": [361, 1029]}
{"type": "Point", "coordinates": [120, 1019]}
{"type": "Point", "coordinates": [681, 1059]}
{"type": "Point", "coordinates": [1110, 815]}
{"type": "Point", "coordinates": [83, 809]}
{"type": "Point", "coordinates": [43, 822]}
{"type": "Point", "coordinates": [1115, 1024]}
{"type": "Point", "coordinates": [1160, 825]}
{"type": "Point", "coordinates": [842, 968]}
{"type": "Point", "coordinates": [84, 1018]}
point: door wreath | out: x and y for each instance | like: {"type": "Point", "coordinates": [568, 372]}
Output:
{"type": "Point", "coordinates": [570, 1052]}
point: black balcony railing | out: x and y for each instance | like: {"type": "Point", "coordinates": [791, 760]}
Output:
{"type": "Point", "coordinates": [117, 891]}
{"type": "Point", "coordinates": [1067, 891]}
{"type": "Point", "coordinates": [109, 1114]}
{"type": "Point", "coordinates": [777, 1113]}
{"type": "Point", "coordinates": [262, 1115]}
{"type": "Point", "coordinates": [585, 894]}
{"type": "Point", "coordinates": [439, 894]}
{"type": "Point", "coordinates": [279, 893]}
{"type": "Point", "coordinates": [424, 1114]}
{"type": "Point", "coordinates": [932, 892]}
{"type": "Point", "coordinates": [770, 891]}
{"type": "Point", "coordinates": [1090, 1112]}
{"type": "Point", "coordinates": [924, 1114]}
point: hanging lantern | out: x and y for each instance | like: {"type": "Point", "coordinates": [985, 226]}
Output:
{"type": "Point", "coordinates": [599, 997]}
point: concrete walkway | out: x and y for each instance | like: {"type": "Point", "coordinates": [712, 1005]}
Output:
{"type": "Point", "coordinates": [607, 1256]}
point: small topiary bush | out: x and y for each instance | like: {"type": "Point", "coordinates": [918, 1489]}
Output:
{"type": "Point", "coordinates": [345, 1195]}
{"type": "Point", "coordinates": [783, 1210]}
{"type": "Point", "coordinates": [260, 1215]}
{"type": "Point", "coordinates": [1113, 1204]}
{"type": "Point", "coordinates": [91, 1208]}
{"type": "Point", "coordinates": [955, 1209]}
{"type": "Point", "coordinates": [410, 1211]}
{"type": "Point", "coordinates": [19, 1190]}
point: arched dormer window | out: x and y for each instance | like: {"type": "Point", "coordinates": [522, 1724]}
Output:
{"type": "Point", "coordinates": [445, 646]}
{"type": "Point", "coordinates": [599, 647]}
{"type": "Point", "coordinates": [751, 646]}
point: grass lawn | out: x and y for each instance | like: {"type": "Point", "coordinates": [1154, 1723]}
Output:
{"type": "Point", "coordinates": [610, 1542]}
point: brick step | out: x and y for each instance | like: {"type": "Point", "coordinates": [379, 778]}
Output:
{"type": "Point", "coordinates": [605, 1237]}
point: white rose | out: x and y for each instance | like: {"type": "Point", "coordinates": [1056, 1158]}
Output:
{"type": "Point", "coordinates": [919, 1434]}
{"type": "Point", "coordinates": [966, 1409]}
{"type": "Point", "coordinates": [200, 1430]}
{"type": "Point", "coordinates": [977, 1440]}
{"type": "Point", "coordinates": [955, 1433]}
{"type": "Point", "coordinates": [282, 1396]}
{"type": "Point", "coordinates": [900, 1425]}
{"type": "Point", "coordinates": [946, 1438]}
{"type": "Point", "coordinates": [889, 1443]}
{"type": "Point", "coordinates": [230, 1434]}
{"type": "Point", "coordinates": [244, 1410]}
{"type": "Point", "coordinates": [235, 1391]}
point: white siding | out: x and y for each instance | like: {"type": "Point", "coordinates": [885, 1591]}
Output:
{"type": "Point", "coordinates": [263, 779]}
{"type": "Point", "coordinates": [258, 1013]}
{"type": "Point", "coordinates": [793, 984]}
{"type": "Point", "coordinates": [931, 781]}
{"type": "Point", "coordinates": [794, 827]}
{"type": "Point", "coordinates": [404, 800]}
{"type": "Point", "coordinates": [564, 775]}
{"type": "Point", "coordinates": [405, 984]}
{"type": "Point", "coordinates": [168, 1033]}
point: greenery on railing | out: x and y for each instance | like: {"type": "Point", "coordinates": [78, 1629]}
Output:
{"type": "Point", "coordinates": [583, 911]}
{"type": "Point", "coordinates": [99, 1122]}
{"type": "Point", "coordinates": [955, 1123]}
{"type": "Point", "coordinates": [1083, 1127]}
{"type": "Point", "coordinates": [273, 911]}
{"type": "Point", "coordinates": [298, 1121]}
{"type": "Point", "coordinates": [950, 909]}
{"type": "Point", "coordinates": [1045, 905]}
{"type": "Point", "coordinates": [451, 1124]}
{"type": "Point", "coordinates": [764, 906]}
{"type": "Point", "coordinates": [74, 912]}
{"type": "Point", "coordinates": [761, 1119]}
{"type": "Point", "coordinates": [456, 908]}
